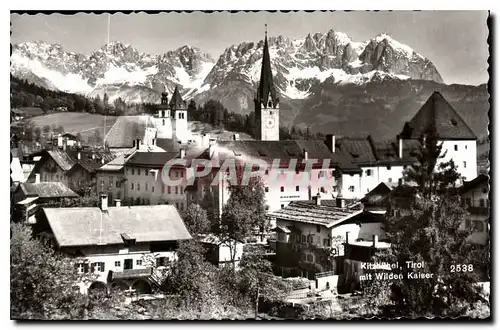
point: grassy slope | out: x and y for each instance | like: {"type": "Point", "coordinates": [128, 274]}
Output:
{"type": "Point", "coordinates": [76, 122]}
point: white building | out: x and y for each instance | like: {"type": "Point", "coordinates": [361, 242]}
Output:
{"type": "Point", "coordinates": [119, 245]}
{"type": "Point", "coordinates": [459, 141]}
{"type": "Point", "coordinates": [171, 118]}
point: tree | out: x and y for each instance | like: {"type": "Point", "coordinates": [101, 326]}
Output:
{"type": "Point", "coordinates": [257, 279]}
{"type": "Point", "coordinates": [38, 133]}
{"type": "Point", "coordinates": [42, 282]}
{"type": "Point", "coordinates": [425, 223]}
{"type": "Point", "coordinates": [96, 137]}
{"type": "Point", "coordinates": [243, 215]}
{"type": "Point", "coordinates": [79, 137]}
{"type": "Point", "coordinates": [46, 129]}
{"type": "Point", "coordinates": [195, 218]}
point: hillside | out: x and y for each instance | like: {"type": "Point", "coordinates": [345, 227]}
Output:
{"type": "Point", "coordinates": [74, 122]}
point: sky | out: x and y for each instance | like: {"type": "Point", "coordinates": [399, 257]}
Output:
{"type": "Point", "coordinates": [455, 41]}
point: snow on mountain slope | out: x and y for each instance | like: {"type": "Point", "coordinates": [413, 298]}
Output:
{"type": "Point", "coordinates": [297, 65]}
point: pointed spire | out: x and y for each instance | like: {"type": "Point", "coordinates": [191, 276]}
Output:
{"type": "Point", "coordinates": [266, 84]}
{"type": "Point", "coordinates": [176, 101]}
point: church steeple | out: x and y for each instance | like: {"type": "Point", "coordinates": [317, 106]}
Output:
{"type": "Point", "coordinates": [266, 91]}
{"type": "Point", "coordinates": [176, 101]}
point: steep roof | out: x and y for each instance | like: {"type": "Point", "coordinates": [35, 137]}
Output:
{"type": "Point", "coordinates": [126, 130]}
{"type": "Point", "coordinates": [28, 111]}
{"type": "Point", "coordinates": [47, 190]}
{"type": "Point", "coordinates": [439, 114]}
{"type": "Point", "coordinates": [62, 159]}
{"type": "Point", "coordinates": [176, 101]}
{"type": "Point", "coordinates": [81, 226]}
{"type": "Point", "coordinates": [266, 85]}
{"type": "Point", "coordinates": [309, 212]}
{"type": "Point", "coordinates": [481, 179]}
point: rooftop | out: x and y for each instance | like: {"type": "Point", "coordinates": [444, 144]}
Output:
{"type": "Point", "coordinates": [309, 212]}
{"type": "Point", "coordinates": [47, 189]}
{"type": "Point", "coordinates": [82, 226]}
{"type": "Point", "coordinates": [437, 113]}
{"type": "Point", "coordinates": [126, 130]}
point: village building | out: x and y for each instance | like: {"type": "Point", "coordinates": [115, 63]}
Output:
{"type": "Point", "coordinates": [171, 119]}
{"type": "Point", "coordinates": [29, 197]}
{"type": "Point", "coordinates": [311, 236]}
{"type": "Point", "coordinates": [76, 168]}
{"type": "Point", "coordinates": [145, 184]}
{"type": "Point", "coordinates": [132, 132]}
{"type": "Point", "coordinates": [459, 143]}
{"type": "Point", "coordinates": [125, 247]}
{"type": "Point", "coordinates": [66, 140]}
{"type": "Point", "coordinates": [475, 197]}
{"type": "Point", "coordinates": [221, 253]}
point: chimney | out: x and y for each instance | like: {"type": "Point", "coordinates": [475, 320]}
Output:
{"type": "Point", "coordinates": [118, 202]}
{"type": "Point", "coordinates": [182, 153]}
{"type": "Point", "coordinates": [306, 154]}
{"type": "Point", "coordinates": [318, 199]}
{"type": "Point", "coordinates": [37, 177]}
{"type": "Point", "coordinates": [330, 142]}
{"type": "Point", "coordinates": [375, 241]}
{"type": "Point", "coordinates": [400, 147]}
{"type": "Point", "coordinates": [137, 143]}
{"type": "Point", "coordinates": [104, 202]}
{"type": "Point", "coordinates": [340, 202]}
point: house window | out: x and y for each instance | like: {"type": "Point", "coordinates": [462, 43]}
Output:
{"type": "Point", "coordinates": [98, 266]}
{"type": "Point", "coordinates": [146, 187]}
{"type": "Point", "coordinates": [282, 189]}
{"type": "Point", "coordinates": [132, 169]}
{"type": "Point", "coordinates": [118, 263]}
{"type": "Point", "coordinates": [138, 262]}
{"type": "Point", "coordinates": [176, 190]}
{"type": "Point", "coordinates": [368, 172]}
{"type": "Point", "coordinates": [169, 189]}
{"type": "Point", "coordinates": [323, 190]}
{"type": "Point", "coordinates": [465, 164]}
{"type": "Point", "coordinates": [162, 189]}
{"type": "Point", "coordinates": [163, 120]}
{"type": "Point", "coordinates": [476, 225]}
{"type": "Point", "coordinates": [153, 189]}
{"type": "Point", "coordinates": [138, 171]}
{"type": "Point", "coordinates": [132, 186]}
{"type": "Point", "coordinates": [389, 167]}
{"type": "Point", "coordinates": [297, 188]}
{"type": "Point", "coordinates": [481, 202]}
{"type": "Point", "coordinates": [465, 147]}
{"type": "Point", "coordinates": [282, 205]}
{"type": "Point", "coordinates": [267, 171]}
{"type": "Point", "coordinates": [310, 258]}
{"type": "Point", "coordinates": [309, 239]}
{"type": "Point", "coordinates": [138, 186]}
{"type": "Point", "coordinates": [297, 171]}
{"type": "Point", "coordinates": [456, 147]}
{"type": "Point", "coordinates": [117, 184]}
{"type": "Point", "coordinates": [318, 228]}
{"type": "Point", "coordinates": [266, 189]}
{"type": "Point", "coordinates": [390, 179]}
{"type": "Point", "coordinates": [304, 238]}
{"type": "Point", "coordinates": [146, 172]}
{"type": "Point", "coordinates": [351, 188]}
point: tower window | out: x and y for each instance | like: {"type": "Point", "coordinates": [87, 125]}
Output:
{"type": "Point", "coordinates": [266, 189]}
{"type": "Point", "coordinates": [456, 147]}
{"type": "Point", "coordinates": [465, 164]}
{"type": "Point", "coordinates": [297, 188]}
{"type": "Point", "coordinates": [271, 113]}
{"type": "Point", "coordinates": [163, 120]}
{"type": "Point", "coordinates": [282, 189]}
{"type": "Point", "coordinates": [269, 104]}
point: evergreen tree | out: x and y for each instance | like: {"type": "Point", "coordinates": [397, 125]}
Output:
{"type": "Point", "coordinates": [425, 223]}
{"type": "Point", "coordinates": [195, 218]}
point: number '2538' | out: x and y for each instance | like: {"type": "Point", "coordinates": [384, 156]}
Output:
{"type": "Point", "coordinates": [462, 268]}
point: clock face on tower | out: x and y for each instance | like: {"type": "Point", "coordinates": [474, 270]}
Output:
{"type": "Point", "coordinates": [270, 123]}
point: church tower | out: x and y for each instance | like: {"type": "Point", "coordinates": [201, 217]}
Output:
{"type": "Point", "coordinates": [163, 119]}
{"type": "Point", "coordinates": [266, 101]}
{"type": "Point", "coordinates": [178, 109]}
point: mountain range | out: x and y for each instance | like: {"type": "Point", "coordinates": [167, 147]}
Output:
{"type": "Point", "coordinates": [326, 81]}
